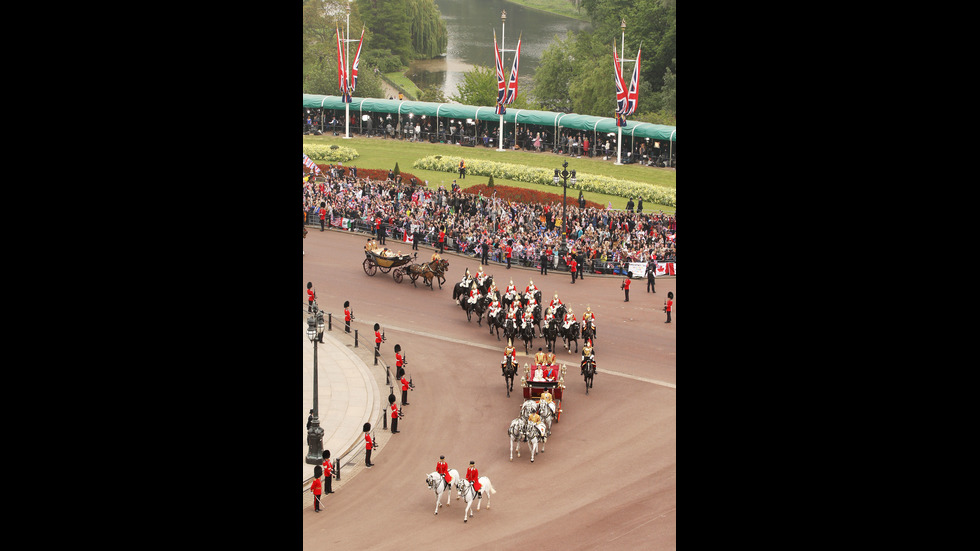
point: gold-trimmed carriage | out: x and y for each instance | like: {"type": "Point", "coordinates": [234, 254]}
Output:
{"type": "Point", "coordinates": [534, 387]}
{"type": "Point", "coordinates": [387, 261]}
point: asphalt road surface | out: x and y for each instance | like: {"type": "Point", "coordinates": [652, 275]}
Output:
{"type": "Point", "coordinates": [607, 477]}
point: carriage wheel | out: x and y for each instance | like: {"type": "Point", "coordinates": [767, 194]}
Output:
{"type": "Point", "coordinates": [397, 275]}
{"type": "Point", "coordinates": [370, 268]}
{"type": "Point", "coordinates": [384, 269]}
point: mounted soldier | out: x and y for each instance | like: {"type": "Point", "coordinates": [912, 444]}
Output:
{"type": "Point", "coordinates": [511, 353]}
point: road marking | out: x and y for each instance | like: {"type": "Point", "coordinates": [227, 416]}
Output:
{"type": "Point", "coordinates": [497, 349]}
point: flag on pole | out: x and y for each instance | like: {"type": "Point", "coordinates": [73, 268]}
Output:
{"type": "Point", "coordinates": [501, 84]}
{"type": "Point", "coordinates": [620, 84]}
{"type": "Point", "coordinates": [342, 71]}
{"type": "Point", "coordinates": [353, 66]}
{"type": "Point", "coordinates": [512, 82]}
{"type": "Point", "coordinates": [633, 94]}
{"type": "Point", "coordinates": [308, 163]}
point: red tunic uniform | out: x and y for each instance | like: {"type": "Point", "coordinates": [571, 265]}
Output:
{"type": "Point", "coordinates": [398, 361]}
{"type": "Point", "coordinates": [327, 468]}
{"type": "Point", "coordinates": [404, 384]}
{"type": "Point", "coordinates": [377, 337]}
{"type": "Point", "coordinates": [367, 438]}
{"type": "Point", "coordinates": [443, 468]}
{"type": "Point", "coordinates": [473, 476]}
{"type": "Point", "coordinates": [316, 487]}
{"type": "Point", "coordinates": [394, 410]}
{"type": "Point", "coordinates": [347, 314]}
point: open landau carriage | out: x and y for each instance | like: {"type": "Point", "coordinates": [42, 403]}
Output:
{"type": "Point", "coordinates": [534, 387]}
{"type": "Point", "coordinates": [383, 259]}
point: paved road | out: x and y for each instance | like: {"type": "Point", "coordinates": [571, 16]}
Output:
{"type": "Point", "coordinates": [608, 475]}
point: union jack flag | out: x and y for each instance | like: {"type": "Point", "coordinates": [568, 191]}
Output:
{"type": "Point", "coordinates": [620, 84]}
{"type": "Point", "coordinates": [633, 94]}
{"type": "Point", "coordinates": [341, 69]}
{"type": "Point", "coordinates": [512, 83]}
{"type": "Point", "coordinates": [353, 66]}
{"type": "Point", "coordinates": [500, 76]}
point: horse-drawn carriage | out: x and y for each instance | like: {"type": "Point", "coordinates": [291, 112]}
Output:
{"type": "Point", "coordinates": [534, 387]}
{"type": "Point", "coordinates": [385, 260]}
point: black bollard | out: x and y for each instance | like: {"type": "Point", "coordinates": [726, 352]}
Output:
{"type": "Point", "coordinates": [336, 468]}
{"type": "Point", "coordinates": [375, 356]}
{"type": "Point", "coordinates": [355, 338]}
{"type": "Point", "coordinates": [329, 321]}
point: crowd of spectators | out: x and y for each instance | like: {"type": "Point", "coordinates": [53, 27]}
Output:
{"type": "Point", "coordinates": [599, 239]}
{"type": "Point", "coordinates": [570, 142]}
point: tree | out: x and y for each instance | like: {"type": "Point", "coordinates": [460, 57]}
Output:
{"type": "Point", "coordinates": [479, 87]}
{"type": "Point", "coordinates": [552, 77]}
{"type": "Point", "coordinates": [391, 27]}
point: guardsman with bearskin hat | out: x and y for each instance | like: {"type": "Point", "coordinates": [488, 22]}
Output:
{"type": "Point", "coordinates": [317, 488]}
{"type": "Point", "coordinates": [347, 316]}
{"type": "Point", "coordinates": [368, 445]}
{"type": "Point", "coordinates": [310, 297]}
{"type": "Point", "coordinates": [668, 304]}
{"type": "Point", "coordinates": [401, 378]}
{"type": "Point", "coordinates": [394, 414]}
{"type": "Point", "coordinates": [377, 337]}
{"type": "Point", "coordinates": [328, 472]}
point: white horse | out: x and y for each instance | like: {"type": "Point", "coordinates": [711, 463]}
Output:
{"type": "Point", "coordinates": [437, 483]}
{"type": "Point", "coordinates": [542, 409]}
{"type": "Point", "coordinates": [465, 487]}
{"type": "Point", "coordinates": [523, 430]}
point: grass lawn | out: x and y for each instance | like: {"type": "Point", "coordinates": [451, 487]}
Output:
{"type": "Point", "coordinates": [382, 153]}
{"type": "Point", "coordinates": [400, 79]}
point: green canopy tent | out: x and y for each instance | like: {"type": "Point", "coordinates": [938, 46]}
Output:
{"type": "Point", "coordinates": [556, 120]}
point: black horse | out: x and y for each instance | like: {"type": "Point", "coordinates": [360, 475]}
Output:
{"type": "Point", "coordinates": [480, 307]}
{"type": "Point", "coordinates": [551, 334]}
{"type": "Point", "coordinates": [536, 312]}
{"type": "Point", "coordinates": [487, 282]}
{"type": "Point", "coordinates": [509, 371]}
{"type": "Point", "coordinates": [588, 330]}
{"type": "Point", "coordinates": [588, 369]}
{"type": "Point", "coordinates": [570, 335]}
{"type": "Point", "coordinates": [510, 329]}
{"type": "Point", "coordinates": [496, 323]}
{"type": "Point", "coordinates": [527, 335]}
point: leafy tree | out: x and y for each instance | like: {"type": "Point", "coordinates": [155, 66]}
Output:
{"type": "Point", "coordinates": [391, 28]}
{"type": "Point", "coordinates": [553, 75]}
{"type": "Point", "coordinates": [479, 87]}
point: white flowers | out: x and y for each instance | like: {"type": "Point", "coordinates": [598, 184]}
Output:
{"type": "Point", "coordinates": [660, 195]}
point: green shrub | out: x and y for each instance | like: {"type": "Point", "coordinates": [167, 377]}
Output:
{"type": "Point", "coordinates": [329, 153]}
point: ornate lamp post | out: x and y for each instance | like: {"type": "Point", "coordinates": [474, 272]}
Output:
{"type": "Point", "coordinates": [564, 174]}
{"type": "Point", "coordinates": [314, 437]}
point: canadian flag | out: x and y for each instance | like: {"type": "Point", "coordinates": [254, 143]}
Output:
{"type": "Point", "coordinates": [673, 268]}
{"type": "Point", "coordinates": [409, 238]}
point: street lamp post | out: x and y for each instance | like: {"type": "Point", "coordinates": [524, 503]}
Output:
{"type": "Point", "coordinates": [314, 436]}
{"type": "Point", "coordinates": [564, 174]}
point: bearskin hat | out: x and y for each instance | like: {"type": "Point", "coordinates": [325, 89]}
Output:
{"type": "Point", "coordinates": [367, 427]}
{"type": "Point", "coordinates": [391, 398]}
{"type": "Point", "coordinates": [377, 326]}
{"type": "Point", "coordinates": [317, 471]}
{"type": "Point", "coordinates": [670, 294]}
{"type": "Point", "coordinates": [346, 303]}
{"type": "Point", "coordinates": [326, 454]}
{"type": "Point", "coordinates": [309, 284]}
{"type": "Point", "coordinates": [398, 348]}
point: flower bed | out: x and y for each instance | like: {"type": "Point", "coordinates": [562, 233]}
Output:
{"type": "Point", "coordinates": [587, 182]}
{"type": "Point", "coordinates": [330, 153]}
{"type": "Point", "coordinates": [522, 195]}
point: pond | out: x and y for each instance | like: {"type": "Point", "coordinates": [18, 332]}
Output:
{"type": "Point", "coordinates": [470, 25]}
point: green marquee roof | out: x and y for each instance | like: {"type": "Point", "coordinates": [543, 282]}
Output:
{"type": "Point", "coordinates": [484, 113]}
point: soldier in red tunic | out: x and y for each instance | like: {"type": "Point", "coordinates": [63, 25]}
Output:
{"type": "Point", "coordinates": [473, 476]}
{"type": "Point", "coordinates": [443, 468]}
{"type": "Point", "coordinates": [328, 471]}
{"type": "Point", "coordinates": [310, 297]}
{"type": "Point", "coordinates": [368, 446]}
{"type": "Point", "coordinates": [377, 337]}
{"type": "Point", "coordinates": [347, 316]}
{"type": "Point", "coordinates": [317, 488]}
{"type": "Point", "coordinates": [394, 414]}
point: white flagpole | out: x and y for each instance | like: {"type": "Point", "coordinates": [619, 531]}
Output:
{"type": "Point", "coordinates": [347, 83]}
{"type": "Point", "coordinates": [503, 26]}
{"type": "Point", "coordinates": [619, 141]}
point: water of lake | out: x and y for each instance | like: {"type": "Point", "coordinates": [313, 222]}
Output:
{"type": "Point", "coordinates": [470, 25]}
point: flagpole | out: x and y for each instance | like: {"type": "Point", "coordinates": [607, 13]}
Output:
{"type": "Point", "coordinates": [619, 141]}
{"type": "Point", "coordinates": [503, 26]}
{"type": "Point", "coordinates": [347, 75]}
